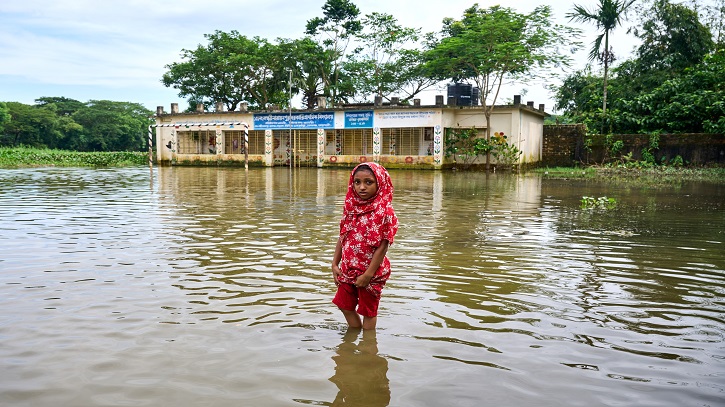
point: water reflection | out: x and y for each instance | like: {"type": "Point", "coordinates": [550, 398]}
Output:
{"type": "Point", "coordinates": [361, 374]}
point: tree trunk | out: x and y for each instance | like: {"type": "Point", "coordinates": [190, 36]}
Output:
{"type": "Point", "coordinates": [488, 138]}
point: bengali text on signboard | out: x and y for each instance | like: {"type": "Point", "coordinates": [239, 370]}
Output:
{"type": "Point", "coordinates": [317, 120]}
{"type": "Point", "coordinates": [357, 120]}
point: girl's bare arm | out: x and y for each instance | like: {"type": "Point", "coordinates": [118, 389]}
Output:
{"type": "Point", "coordinates": [375, 263]}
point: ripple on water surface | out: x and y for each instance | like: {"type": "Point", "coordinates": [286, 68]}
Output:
{"type": "Point", "coordinates": [212, 285]}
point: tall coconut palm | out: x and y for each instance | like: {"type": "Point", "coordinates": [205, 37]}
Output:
{"type": "Point", "coordinates": [606, 16]}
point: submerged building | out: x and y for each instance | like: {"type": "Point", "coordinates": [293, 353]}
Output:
{"type": "Point", "coordinates": [406, 136]}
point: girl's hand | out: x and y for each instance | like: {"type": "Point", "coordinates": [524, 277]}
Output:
{"type": "Point", "coordinates": [335, 273]}
{"type": "Point", "coordinates": [363, 280]}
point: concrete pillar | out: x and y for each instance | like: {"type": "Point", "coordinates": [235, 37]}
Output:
{"type": "Point", "coordinates": [452, 101]}
{"type": "Point", "coordinates": [159, 110]}
{"type": "Point", "coordinates": [530, 103]}
{"type": "Point", "coordinates": [394, 101]}
{"type": "Point", "coordinates": [517, 99]}
{"type": "Point", "coordinates": [378, 101]}
{"type": "Point", "coordinates": [439, 100]}
{"type": "Point", "coordinates": [541, 107]}
{"type": "Point", "coordinates": [174, 108]}
{"type": "Point", "coordinates": [243, 106]}
{"type": "Point", "coordinates": [416, 102]}
{"type": "Point", "coordinates": [219, 106]}
{"type": "Point", "coordinates": [321, 102]}
{"type": "Point", "coordinates": [200, 108]}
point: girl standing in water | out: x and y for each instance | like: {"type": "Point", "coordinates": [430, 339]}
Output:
{"type": "Point", "coordinates": [368, 226]}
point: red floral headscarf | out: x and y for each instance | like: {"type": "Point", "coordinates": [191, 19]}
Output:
{"type": "Point", "coordinates": [379, 204]}
{"type": "Point", "coordinates": [367, 232]}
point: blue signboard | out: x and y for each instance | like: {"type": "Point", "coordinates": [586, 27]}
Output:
{"type": "Point", "coordinates": [361, 119]}
{"type": "Point", "coordinates": [277, 121]}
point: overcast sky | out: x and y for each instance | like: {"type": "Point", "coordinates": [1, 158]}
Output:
{"type": "Point", "coordinates": [117, 50]}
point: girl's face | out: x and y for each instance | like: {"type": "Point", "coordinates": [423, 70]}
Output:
{"type": "Point", "coordinates": [365, 184]}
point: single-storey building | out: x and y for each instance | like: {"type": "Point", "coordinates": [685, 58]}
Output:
{"type": "Point", "coordinates": [391, 134]}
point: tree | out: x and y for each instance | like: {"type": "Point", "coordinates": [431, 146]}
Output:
{"type": "Point", "coordinates": [580, 97]}
{"type": "Point", "coordinates": [607, 16]}
{"type": "Point", "coordinates": [4, 117]}
{"type": "Point", "coordinates": [63, 106]}
{"type": "Point", "coordinates": [338, 24]}
{"type": "Point", "coordinates": [491, 46]}
{"type": "Point", "coordinates": [674, 43]}
{"type": "Point", "coordinates": [692, 102]}
{"type": "Point", "coordinates": [31, 126]}
{"type": "Point", "coordinates": [385, 64]}
{"type": "Point", "coordinates": [673, 39]}
{"type": "Point", "coordinates": [112, 126]}
{"type": "Point", "coordinates": [713, 15]}
{"type": "Point", "coordinates": [308, 63]}
{"type": "Point", "coordinates": [230, 69]}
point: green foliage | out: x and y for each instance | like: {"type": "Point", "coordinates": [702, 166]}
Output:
{"type": "Point", "coordinates": [612, 148]}
{"type": "Point", "coordinates": [673, 85]}
{"type": "Point", "coordinates": [31, 126]}
{"type": "Point", "coordinates": [112, 126]}
{"type": "Point", "coordinates": [603, 202]}
{"type": "Point", "coordinates": [676, 161]}
{"type": "Point", "coordinates": [308, 62]}
{"type": "Point", "coordinates": [673, 39]}
{"type": "Point", "coordinates": [231, 69]}
{"type": "Point", "coordinates": [465, 146]}
{"type": "Point", "coordinates": [505, 154]}
{"type": "Point", "coordinates": [33, 157]}
{"type": "Point", "coordinates": [693, 102]}
{"type": "Point", "coordinates": [648, 153]}
{"type": "Point", "coordinates": [61, 123]}
{"type": "Point", "coordinates": [339, 23]}
{"type": "Point", "coordinates": [386, 64]}
{"type": "Point", "coordinates": [4, 116]}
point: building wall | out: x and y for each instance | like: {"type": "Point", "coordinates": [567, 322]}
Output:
{"type": "Point", "coordinates": [563, 145]}
{"type": "Point", "coordinates": [397, 136]}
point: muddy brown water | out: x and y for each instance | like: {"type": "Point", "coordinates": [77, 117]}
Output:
{"type": "Point", "coordinates": [211, 287]}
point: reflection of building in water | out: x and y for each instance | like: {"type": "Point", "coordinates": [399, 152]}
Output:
{"type": "Point", "coordinates": [361, 375]}
{"type": "Point", "coordinates": [392, 134]}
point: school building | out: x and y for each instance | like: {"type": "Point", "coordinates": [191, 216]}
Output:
{"type": "Point", "coordinates": [397, 136]}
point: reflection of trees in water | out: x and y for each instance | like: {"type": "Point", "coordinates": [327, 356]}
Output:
{"type": "Point", "coordinates": [361, 375]}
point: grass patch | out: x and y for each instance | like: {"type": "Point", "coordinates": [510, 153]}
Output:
{"type": "Point", "coordinates": [24, 157]}
{"type": "Point", "coordinates": [566, 172]}
{"type": "Point", "coordinates": [657, 174]}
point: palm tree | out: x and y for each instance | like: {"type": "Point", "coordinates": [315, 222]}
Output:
{"type": "Point", "coordinates": [607, 16]}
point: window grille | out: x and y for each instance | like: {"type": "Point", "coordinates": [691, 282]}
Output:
{"type": "Point", "coordinates": [234, 142]}
{"type": "Point", "coordinates": [306, 142]}
{"type": "Point", "coordinates": [401, 141]}
{"type": "Point", "coordinates": [196, 142]}
{"type": "Point", "coordinates": [351, 141]}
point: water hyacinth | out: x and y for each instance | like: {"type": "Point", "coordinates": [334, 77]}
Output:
{"type": "Point", "coordinates": [603, 202]}
{"type": "Point", "coordinates": [33, 157]}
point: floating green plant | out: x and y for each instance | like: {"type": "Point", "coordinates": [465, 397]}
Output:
{"type": "Point", "coordinates": [603, 202]}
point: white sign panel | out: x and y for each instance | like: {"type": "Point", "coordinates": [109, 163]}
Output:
{"type": "Point", "coordinates": [407, 118]}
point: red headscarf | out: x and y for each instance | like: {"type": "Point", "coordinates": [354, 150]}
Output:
{"type": "Point", "coordinates": [364, 225]}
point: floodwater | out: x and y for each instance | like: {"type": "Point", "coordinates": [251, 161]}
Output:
{"type": "Point", "coordinates": [212, 287]}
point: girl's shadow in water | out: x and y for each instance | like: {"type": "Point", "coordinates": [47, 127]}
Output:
{"type": "Point", "coordinates": [361, 375]}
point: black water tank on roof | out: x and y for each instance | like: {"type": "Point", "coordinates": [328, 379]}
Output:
{"type": "Point", "coordinates": [465, 94]}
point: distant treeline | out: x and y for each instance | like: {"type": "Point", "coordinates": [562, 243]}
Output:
{"type": "Point", "coordinates": [68, 124]}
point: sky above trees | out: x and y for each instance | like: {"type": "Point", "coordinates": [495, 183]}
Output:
{"type": "Point", "coordinates": [118, 50]}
